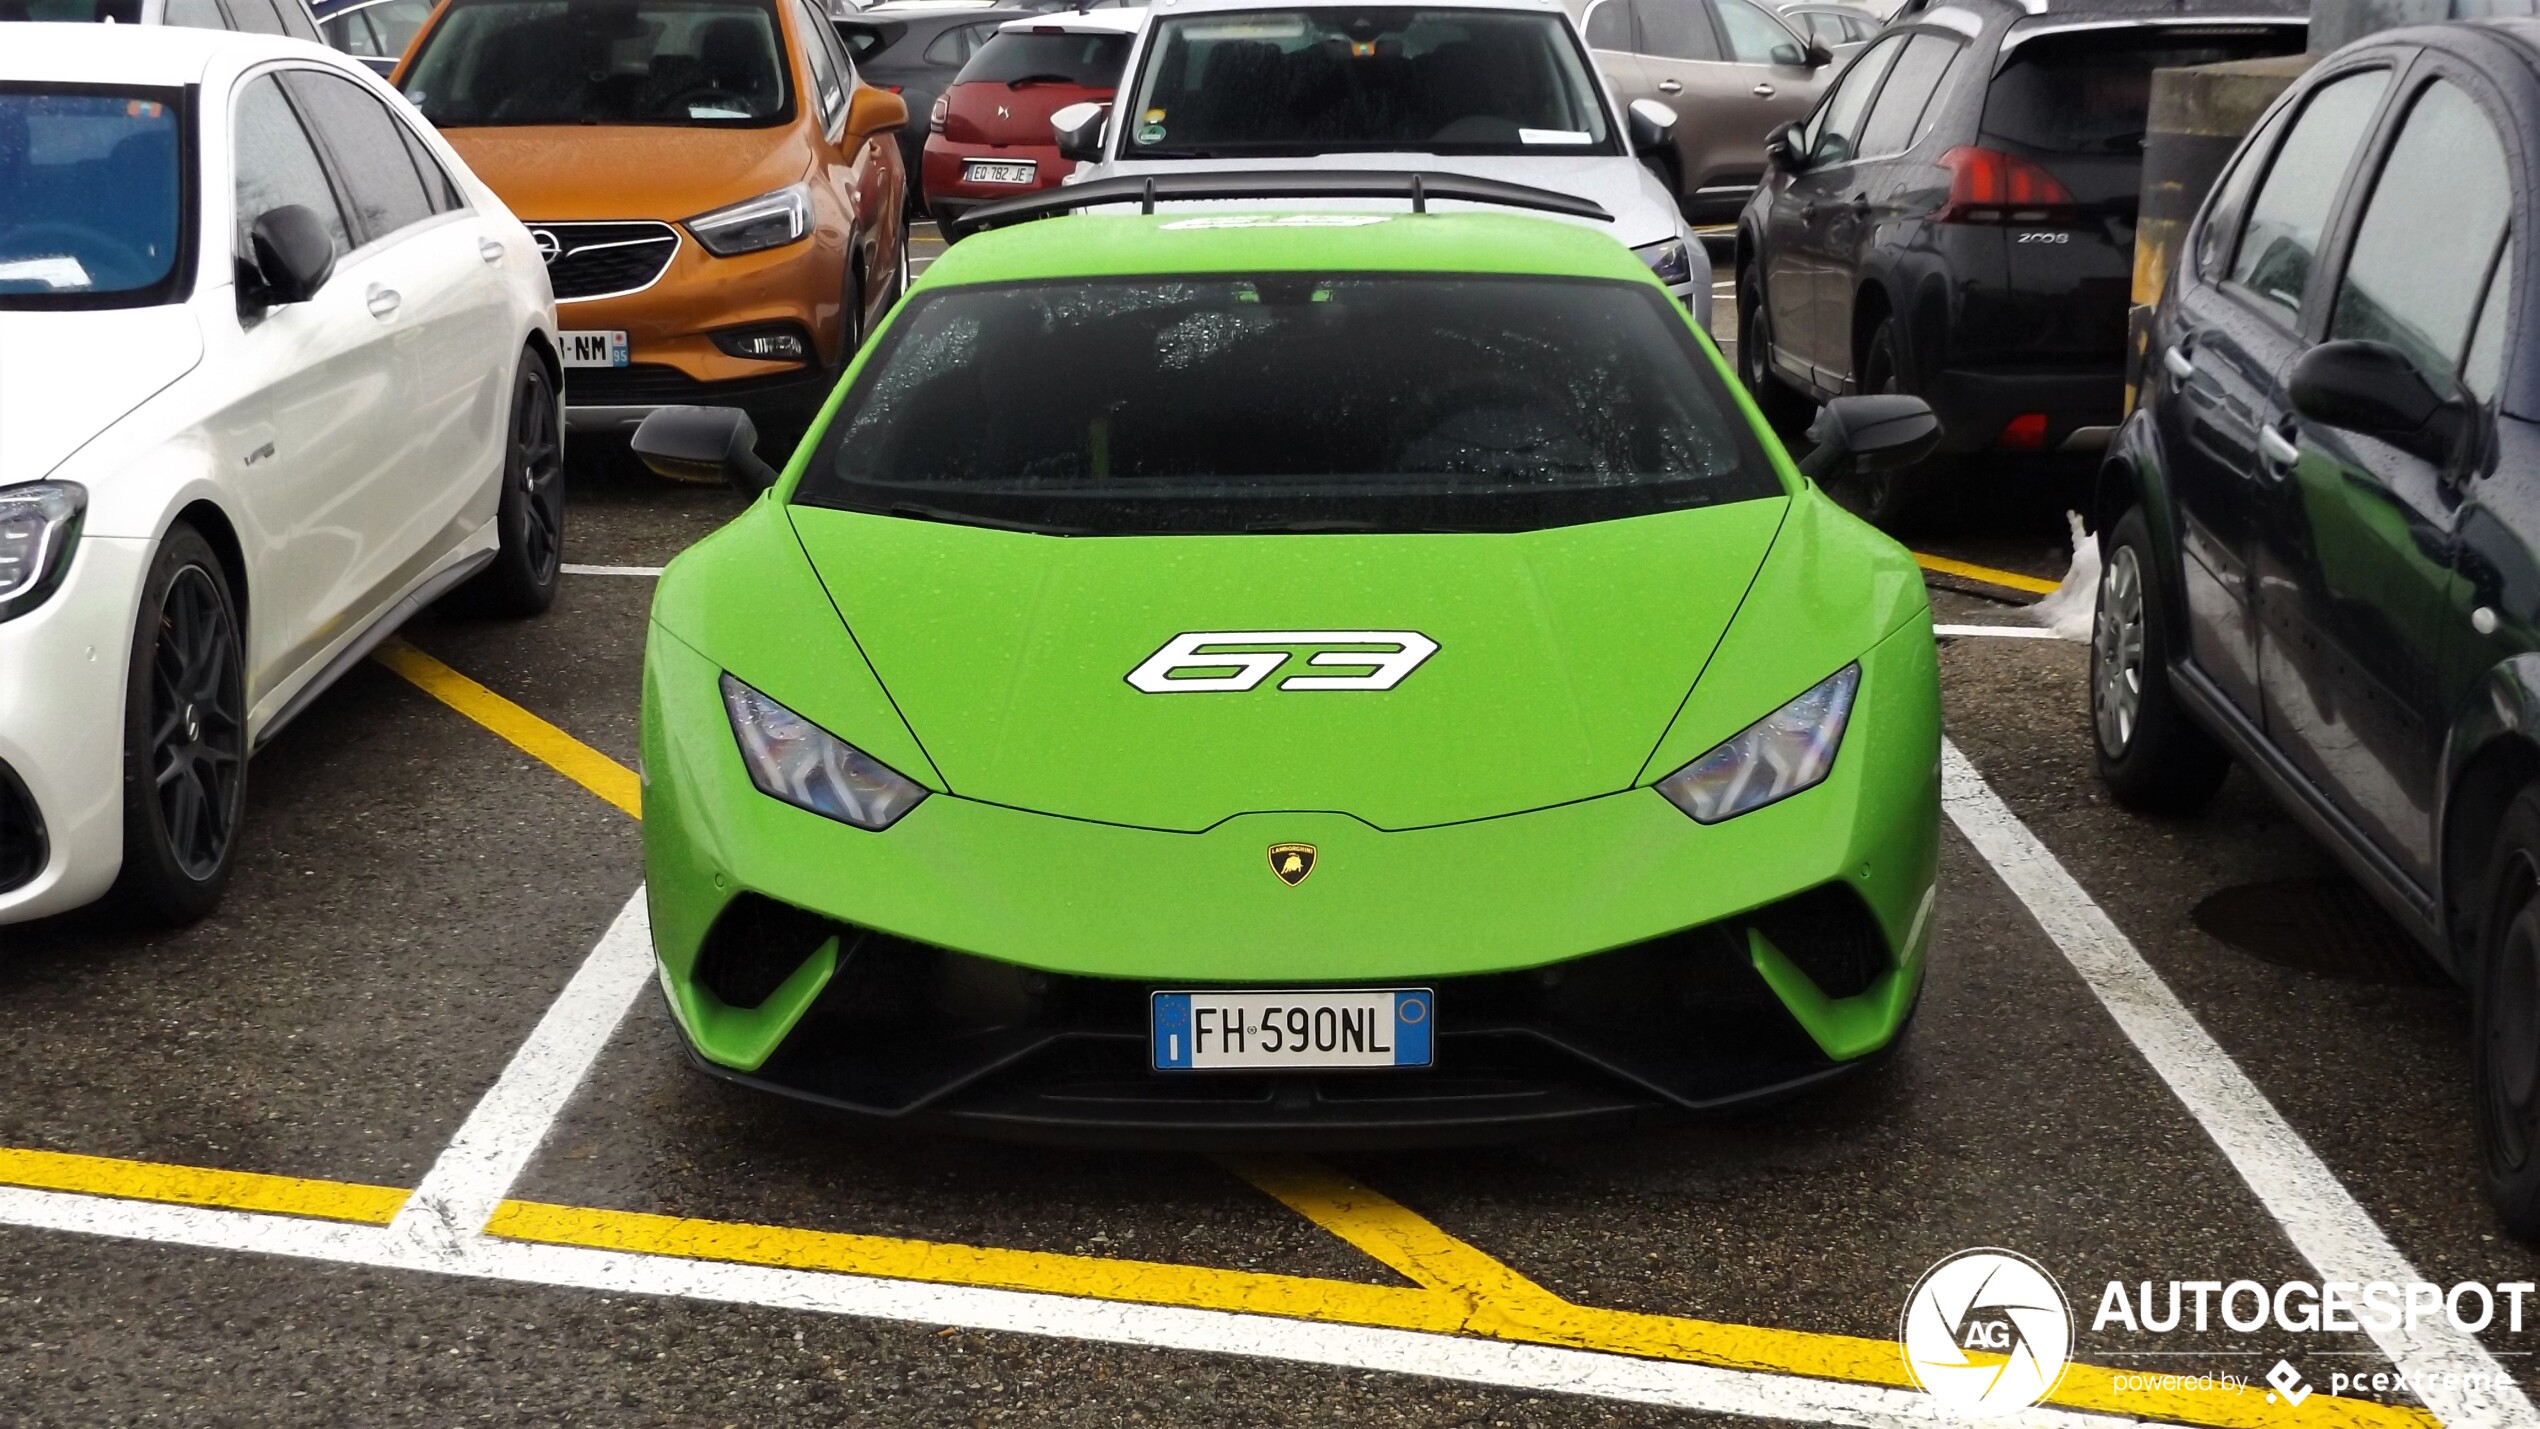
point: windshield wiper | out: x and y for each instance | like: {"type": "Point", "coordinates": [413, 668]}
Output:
{"type": "Point", "coordinates": [919, 510]}
{"type": "Point", "coordinates": [1040, 79]}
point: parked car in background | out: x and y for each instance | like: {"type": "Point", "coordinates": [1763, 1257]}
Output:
{"type": "Point", "coordinates": [275, 371]}
{"type": "Point", "coordinates": [1497, 89]}
{"type": "Point", "coordinates": [717, 194]}
{"type": "Point", "coordinates": [1731, 68]}
{"type": "Point", "coordinates": [1956, 220]}
{"type": "Point", "coordinates": [913, 50]}
{"type": "Point", "coordinates": [2321, 530]}
{"type": "Point", "coordinates": [376, 32]}
{"type": "Point", "coordinates": [1842, 29]}
{"type": "Point", "coordinates": [989, 136]}
{"type": "Point", "coordinates": [254, 17]}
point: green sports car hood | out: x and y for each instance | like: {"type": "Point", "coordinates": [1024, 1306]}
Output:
{"type": "Point", "coordinates": [1561, 658]}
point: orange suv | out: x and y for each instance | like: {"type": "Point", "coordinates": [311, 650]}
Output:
{"type": "Point", "coordinates": [717, 195]}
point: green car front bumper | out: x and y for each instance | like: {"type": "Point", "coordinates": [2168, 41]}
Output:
{"type": "Point", "coordinates": [988, 967]}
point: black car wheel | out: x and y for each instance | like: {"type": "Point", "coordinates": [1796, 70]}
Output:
{"type": "Point", "coordinates": [2506, 1022]}
{"type": "Point", "coordinates": [1884, 498]}
{"type": "Point", "coordinates": [2152, 757]}
{"type": "Point", "coordinates": [1786, 411]}
{"type": "Point", "coordinates": [523, 577]}
{"type": "Point", "coordinates": [185, 738]}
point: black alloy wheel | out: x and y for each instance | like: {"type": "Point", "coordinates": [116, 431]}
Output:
{"type": "Point", "coordinates": [523, 576]}
{"type": "Point", "coordinates": [185, 738]}
{"type": "Point", "coordinates": [2505, 1017]}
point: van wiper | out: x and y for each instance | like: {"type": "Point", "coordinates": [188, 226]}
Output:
{"type": "Point", "coordinates": [918, 510]}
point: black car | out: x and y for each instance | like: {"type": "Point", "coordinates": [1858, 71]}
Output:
{"type": "Point", "coordinates": [1956, 218]}
{"type": "Point", "coordinates": [914, 50]}
{"type": "Point", "coordinates": [2321, 533]}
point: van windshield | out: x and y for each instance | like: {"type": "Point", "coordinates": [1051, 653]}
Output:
{"type": "Point", "coordinates": [682, 62]}
{"type": "Point", "coordinates": [1287, 401]}
{"type": "Point", "coordinates": [1255, 83]}
{"type": "Point", "coordinates": [92, 188]}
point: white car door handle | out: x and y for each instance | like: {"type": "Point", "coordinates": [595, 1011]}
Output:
{"type": "Point", "coordinates": [2276, 447]}
{"type": "Point", "coordinates": [383, 302]}
{"type": "Point", "coordinates": [2181, 365]}
{"type": "Point", "coordinates": [1671, 86]}
{"type": "Point", "coordinates": [1762, 91]}
{"type": "Point", "coordinates": [491, 250]}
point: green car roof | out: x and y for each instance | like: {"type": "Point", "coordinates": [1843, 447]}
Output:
{"type": "Point", "coordinates": [1254, 239]}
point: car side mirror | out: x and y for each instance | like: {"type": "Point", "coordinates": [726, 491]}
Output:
{"type": "Point", "coordinates": [875, 110]}
{"type": "Point", "coordinates": [1652, 126]}
{"type": "Point", "coordinates": [1879, 432]}
{"type": "Point", "coordinates": [704, 444]}
{"type": "Point", "coordinates": [1782, 147]}
{"type": "Point", "coordinates": [1818, 55]}
{"type": "Point", "coordinates": [1078, 128]}
{"type": "Point", "coordinates": [292, 253]}
{"type": "Point", "coordinates": [2373, 388]}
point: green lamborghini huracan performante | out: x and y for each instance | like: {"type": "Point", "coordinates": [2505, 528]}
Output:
{"type": "Point", "coordinates": [1239, 675]}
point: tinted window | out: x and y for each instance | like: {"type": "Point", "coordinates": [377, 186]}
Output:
{"type": "Point", "coordinates": [1834, 135]}
{"type": "Point", "coordinates": [90, 195]}
{"type": "Point", "coordinates": [681, 62]}
{"type": "Point", "coordinates": [1028, 57]}
{"type": "Point", "coordinates": [952, 46]}
{"type": "Point", "coordinates": [1678, 29]}
{"type": "Point", "coordinates": [437, 184]}
{"type": "Point", "coordinates": [277, 165]}
{"type": "Point", "coordinates": [1295, 82]}
{"type": "Point", "coordinates": [829, 89]}
{"type": "Point", "coordinates": [864, 41]}
{"type": "Point", "coordinates": [2231, 197]}
{"type": "Point", "coordinates": [1897, 120]}
{"type": "Point", "coordinates": [370, 156]}
{"type": "Point", "coordinates": [119, 12]}
{"type": "Point", "coordinates": [2282, 233]}
{"type": "Point", "coordinates": [1756, 38]}
{"type": "Point", "coordinates": [2445, 189]}
{"type": "Point", "coordinates": [193, 14]}
{"type": "Point", "coordinates": [1289, 400]}
{"type": "Point", "coordinates": [2483, 371]}
{"type": "Point", "coordinates": [1609, 25]}
{"type": "Point", "coordinates": [2091, 93]}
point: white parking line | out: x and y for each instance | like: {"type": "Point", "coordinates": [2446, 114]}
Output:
{"type": "Point", "coordinates": [2323, 1220]}
{"type": "Point", "coordinates": [574, 570]}
{"type": "Point", "coordinates": [1469, 1360]}
{"type": "Point", "coordinates": [477, 1169]}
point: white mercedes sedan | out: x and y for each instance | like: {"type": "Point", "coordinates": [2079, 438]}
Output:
{"type": "Point", "coordinates": [275, 371]}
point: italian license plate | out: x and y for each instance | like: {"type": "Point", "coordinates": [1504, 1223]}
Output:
{"type": "Point", "coordinates": [1294, 1031]}
{"type": "Point", "coordinates": [594, 348]}
{"type": "Point", "coordinates": [979, 171]}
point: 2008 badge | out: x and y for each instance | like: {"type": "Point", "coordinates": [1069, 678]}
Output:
{"type": "Point", "coordinates": [1242, 659]}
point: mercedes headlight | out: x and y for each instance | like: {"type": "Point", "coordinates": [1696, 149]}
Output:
{"type": "Point", "coordinates": [39, 527]}
{"type": "Point", "coordinates": [792, 759]}
{"type": "Point", "coordinates": [1671, 261]}
{"type": "Point", "coordinates": [1777, 756]}
{"type": "Point", "coordinates": [771, 220]}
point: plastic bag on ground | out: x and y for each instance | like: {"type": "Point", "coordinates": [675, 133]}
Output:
{"type": "Point", "coordinates": [2067, 610]}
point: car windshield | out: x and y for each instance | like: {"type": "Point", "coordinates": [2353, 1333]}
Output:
{"type": "Point", "coordinates": [91, 196]}
{"type": "Point", "coordinates": [1287, 402]}
{"type": "Point", "coordinates": [684, 62]}
{"type": "Point", "coordinates": [1235, 84]}
{"type": "Point", "coordinates": [1052, 56]}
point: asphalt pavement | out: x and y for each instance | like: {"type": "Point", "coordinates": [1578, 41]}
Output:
{"type": "Point", "coordinates": [210, 1154]}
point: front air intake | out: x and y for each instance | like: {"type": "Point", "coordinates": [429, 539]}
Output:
{"type": "Point", "coordinates": [21, 833]}
{"type": "Point", "coordinates": [754, 945]}
{"type": "Point", "coordinates": [1829, 934]}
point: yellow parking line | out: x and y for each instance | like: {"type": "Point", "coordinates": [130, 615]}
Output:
{"type": "Point", "coordinates": [2009, 580]}
{"type": "Point", "coordinates": [200, 1186]}
{"type": "Point", "coordinates": [1391, 1233]}
{"type": "Point", "coordinates": [613, 782]}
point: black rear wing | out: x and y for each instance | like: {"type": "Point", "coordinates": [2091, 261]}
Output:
{"type": "Point", "coordinates": [1414, 188]}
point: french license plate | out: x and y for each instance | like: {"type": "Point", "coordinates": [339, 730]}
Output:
{"type": "Point", "coordinates": [1293, 1031]}
{"type": "Point", "coordinates": [979, 171]}
{"type": "Point", "coordinates": [594, 348]}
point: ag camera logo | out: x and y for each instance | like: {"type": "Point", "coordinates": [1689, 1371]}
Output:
{"type": "Point", "coordinates": [1987, 1332]}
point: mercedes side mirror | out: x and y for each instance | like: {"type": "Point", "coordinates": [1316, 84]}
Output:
{"type": "Point", "coordinates": [292, 254]}
{"type": "Point", "coordinates": [1652, 126]}
{"type": "Point", "coordinates": [1782, 147]}
{"type": "Point", "coordinates": [1880, 432]}
{"type": "Point", "coordinates": [2373, 388]}
{"type": "Point", "coordinates": [1079, 130]}
{"type": "Point", "coordinates": [704, 444]}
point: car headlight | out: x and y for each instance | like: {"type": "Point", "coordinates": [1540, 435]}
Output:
{"type": "Point", "coordinates": [769, 221]}
{"type": "Point", "coordinates": [1777, 756]}
{"type": "Point", "coordinates": [792, 759]}
{"type": "Point", "coordinates": [1671, 261]}
{"type": "Point", "coordinates": [39, 527]}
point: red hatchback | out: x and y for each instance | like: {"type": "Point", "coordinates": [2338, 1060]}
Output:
{"type": "Point", "coordinates": [989, 136]}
